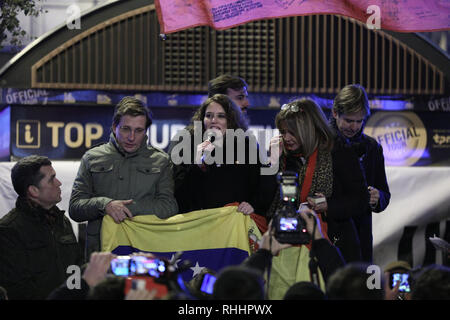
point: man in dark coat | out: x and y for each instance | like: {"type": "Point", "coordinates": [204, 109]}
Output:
{"type": "Point", "coordinates": [37, 242]}
{"type": "Point", "coordinates": [349, 113]}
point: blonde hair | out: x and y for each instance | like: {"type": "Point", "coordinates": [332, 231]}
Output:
{"type": "Point", "coordinates": [307, 122]}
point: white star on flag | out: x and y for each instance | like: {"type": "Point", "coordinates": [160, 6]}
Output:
{"type": "Point", "coordinates": [197, 269]}
{"type": "Point", "coordinates": [174, 262]}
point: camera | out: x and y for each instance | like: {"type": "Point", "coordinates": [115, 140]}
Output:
{"type": "Point", "coordinates": [289, 226]}
{"type": "Point", "coordinates": [404, 281]}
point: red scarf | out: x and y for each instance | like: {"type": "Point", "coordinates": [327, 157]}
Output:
{"type": "Point", "coordinates": [261, 222]}
{"type": "Point", "coordinates": [306, 187]}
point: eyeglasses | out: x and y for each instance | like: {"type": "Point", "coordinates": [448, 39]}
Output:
{"type": "Point", "coordinates": [291, 107]}
{"type": "Point", "coordinates": [127, 130]}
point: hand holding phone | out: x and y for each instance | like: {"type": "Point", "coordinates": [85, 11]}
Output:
{"type": "Point", "coordinates": [403, 278]}
{"type": "Point", "coordinates": [318, 202]}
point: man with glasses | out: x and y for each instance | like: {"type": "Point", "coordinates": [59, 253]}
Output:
{"type": "Point", "coordinates": [124, 177]}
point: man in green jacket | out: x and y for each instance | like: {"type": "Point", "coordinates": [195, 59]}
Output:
{"type": "Point", "coordinates": [124, 177]}
{"type": "Point", "coordinates": [37, 242]}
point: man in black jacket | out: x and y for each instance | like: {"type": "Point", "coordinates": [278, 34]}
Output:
{"type": "Point", "coordinates": [350, 111]}
{"type": "Point", "coordinates": [37, 242]}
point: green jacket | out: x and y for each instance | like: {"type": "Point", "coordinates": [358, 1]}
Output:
{"type": "Point", "coordinates": [108, 173]}
{"type": "Point", "coordinates": [36, 247]}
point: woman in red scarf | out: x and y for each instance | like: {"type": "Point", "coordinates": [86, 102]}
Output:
{"type": "Point", "coordinates": [305, 144]}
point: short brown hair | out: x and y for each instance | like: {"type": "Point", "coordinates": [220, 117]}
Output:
{"type": "Point", "coordinates": [352, 98]}
{"type": "Point", "coordinates": [134, 107]}
{"type": "Point", "coordinates": [224, 82]}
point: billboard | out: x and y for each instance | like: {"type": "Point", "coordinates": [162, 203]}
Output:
{"type": "Point", "coordinates": [412, 138]}
{"type": "Point", "coordinates": [418, 138]}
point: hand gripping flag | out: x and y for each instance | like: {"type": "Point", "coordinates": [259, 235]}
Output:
{"type": "Point", "coordinates": [401, 16]}
{"type": "Point", "coordinates": [212, 238]}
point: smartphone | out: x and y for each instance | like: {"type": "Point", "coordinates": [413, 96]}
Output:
{"type": "Point", "coordinates": [404, 281]}
{"type": "Point", "coordinates": [120, 266]}
{"type": "Point", "coordinates": [125, 266]}
{"type": "Point", "coordinates": [208, 283]}
{"type": "Point", "coordinates": [141, 265]}
{"type": "Point", "coordinates": [318, 199]}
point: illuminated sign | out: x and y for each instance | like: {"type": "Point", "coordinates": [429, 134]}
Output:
{"type": "Point", "coordinates": [58, 132]}
{"type": "Point", "coordinates": [402, 135]}
{"type": "Point", "coordinates": [28, 134]}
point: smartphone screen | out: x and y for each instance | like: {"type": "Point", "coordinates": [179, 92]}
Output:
{"type": "Point", "coordinates": [125, 266]}
{"type": "Point", "coordinates": [208, 283]}
{"type": "Point", "coordinates": [120, 266]}
{"type": "Point", "coordinates": [140, 265]}
{"type": "Point", "coordinates": [404, 281]}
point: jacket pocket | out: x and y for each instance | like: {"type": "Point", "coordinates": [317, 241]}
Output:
{"type": "Point", "coordinates": [148, 170]}
{"type": "Point", "coordinates": [146, 178]}
{"type": "Point", "coordinates": [101, 167]}
{"type": "Point", "coordinates": [103, 177]}
{"type": "Point", "coordinates": [39, 255]}
{"type": "Point", "coordinates": [67, 239]}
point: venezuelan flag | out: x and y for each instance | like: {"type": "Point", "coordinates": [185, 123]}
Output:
{"type": "Point", "coordinates": [212, 238]}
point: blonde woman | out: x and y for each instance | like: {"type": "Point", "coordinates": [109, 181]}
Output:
{"type": "Point", "coordinates": [306, 147]}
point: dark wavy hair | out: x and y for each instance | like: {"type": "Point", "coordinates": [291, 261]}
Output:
{"type": "Point", "coordinates": [235, 118]}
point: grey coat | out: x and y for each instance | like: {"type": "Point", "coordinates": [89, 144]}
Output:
{"type": "Point", "coordinates": [108, 173]}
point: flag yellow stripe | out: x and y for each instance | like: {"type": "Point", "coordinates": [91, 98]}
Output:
{"type": "Point", "coordinates": [204, 229]}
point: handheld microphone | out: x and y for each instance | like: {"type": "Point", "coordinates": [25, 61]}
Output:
{"type": "Point", "coordinates": [211, 137]}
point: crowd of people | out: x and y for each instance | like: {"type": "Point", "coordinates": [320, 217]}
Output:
{"type": "Point", "coordinates": [340, 177]}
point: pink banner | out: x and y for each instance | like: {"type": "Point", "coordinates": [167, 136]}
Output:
{"type": "Point", "coordinates": [395, 15]}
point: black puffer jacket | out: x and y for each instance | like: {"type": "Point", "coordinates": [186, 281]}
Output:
{"type": "Point", "coordinates": [36, 247]}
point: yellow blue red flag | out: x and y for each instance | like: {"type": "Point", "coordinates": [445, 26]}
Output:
{"type": "Point", "coordinates": [212, 238]}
